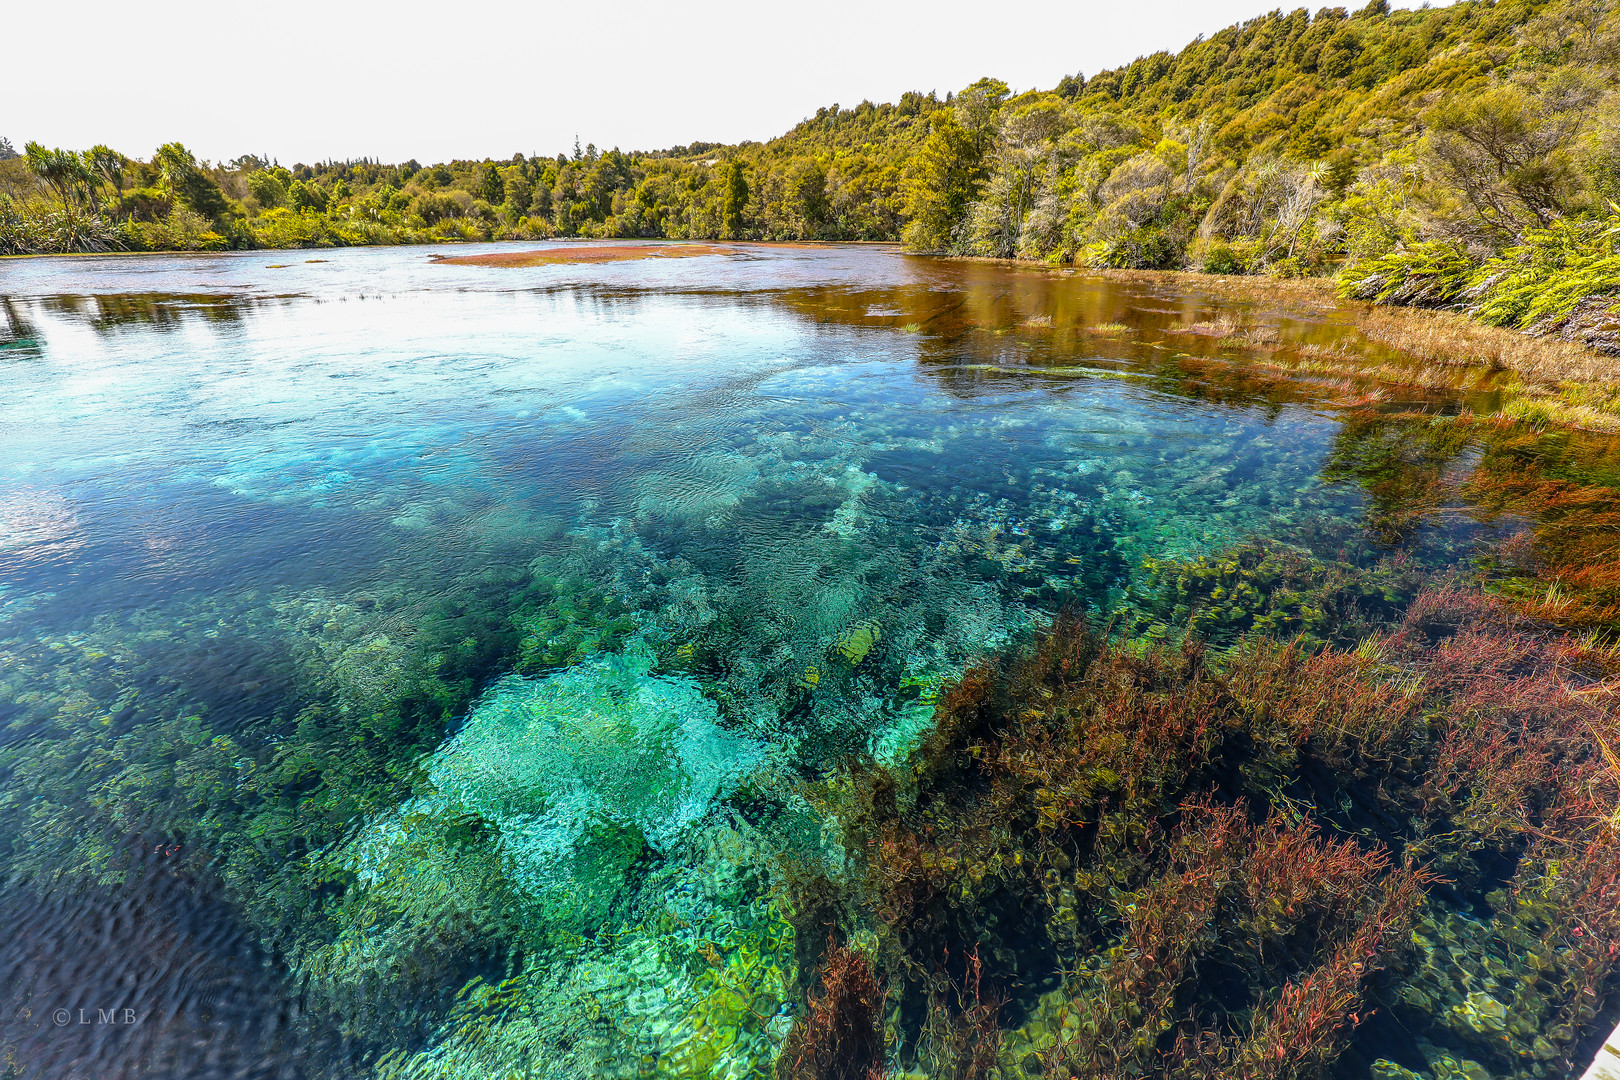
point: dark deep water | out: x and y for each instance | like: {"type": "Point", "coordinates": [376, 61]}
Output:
{"type": "Point", "coordinates": [341, 597]}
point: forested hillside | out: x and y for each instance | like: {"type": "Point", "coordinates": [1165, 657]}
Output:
{"type": "Point", "coordinates": [1475, 143]}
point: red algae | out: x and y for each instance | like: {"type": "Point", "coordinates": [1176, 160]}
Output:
{"type": "Point", "coordinates": [1227, 864]}
{"type": "Point", "coordinates": [584, 253]}
{"type": "Point", "coordinates": [840, 1036]}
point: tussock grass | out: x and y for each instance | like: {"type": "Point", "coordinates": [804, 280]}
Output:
{"type": "Point", "coordinates": [1441, 337]}
{"type": "Point", "coordinates": [1337, 365]}
{"type": "Point", "coordinates": [1224, 325]}
{"type": "Point", "coordinates": [1553, 383]}
{"type": "Point", "coordinates": [1253, 337]}
{"type": "Point", "coordinates": [1334, 352]}
{"type": "Point", "coordinates": [1593, 408]}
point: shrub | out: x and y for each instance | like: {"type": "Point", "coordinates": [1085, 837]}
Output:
{"type": "Point", "coordinates": [1562, 280]}
{"type": "Point", "coordinates": [282, 227]}
{"type": "Point", "coordinates": [30, 231]}
{"type": "Point", "coordinates": [182, 230]}
{"type": "Point", "coordinates": [1218, 257]}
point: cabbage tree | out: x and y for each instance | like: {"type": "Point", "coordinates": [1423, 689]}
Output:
{"type": "Point", "coordinates": [61, 170]}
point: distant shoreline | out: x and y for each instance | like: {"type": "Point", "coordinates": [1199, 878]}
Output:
{"type": "Point", "coordinates": [1541, 380]}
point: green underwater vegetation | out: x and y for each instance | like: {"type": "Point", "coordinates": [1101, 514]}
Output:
{"type": "Point", "coordinates": [945, 714]}
{"type": "Point", "coordinates": [1264, 588]}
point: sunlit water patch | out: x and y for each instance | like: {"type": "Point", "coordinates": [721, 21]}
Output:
{"type": "Point", "coordinates": [464, 636]}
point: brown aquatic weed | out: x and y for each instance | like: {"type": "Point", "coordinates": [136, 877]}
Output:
{"type": "Point", "coordinates": [1179, 862]}
{"type": "Point", "coordinates": [840, 1036]}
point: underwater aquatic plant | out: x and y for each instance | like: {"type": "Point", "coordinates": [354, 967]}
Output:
{"type": "Point", "coordinates": [1184, 863]}
{"type": "Point", "coordinates": [962, 1040]}
{"type": "Point", "coordinates": [258, 793]}
{"type": "Point", "coordinates": [582, 772]}
{"type": "Point", "coordinates": [1411, 467]}
{"type": "Point", "coordinates": [1045, 790]}
{"type": "Point", "coordinates": [1574, 539]}
{"type": "Point", "coordinates": [1302, 1032]}
{"type": "Point", "coordinates": [840, 1036]}
{"type": "Point", "coordinates": [1273, 901]}
{"type": "Point", "coordinates": [566, 620]}
{"type": "Point", "coordinates": [1266, 587]}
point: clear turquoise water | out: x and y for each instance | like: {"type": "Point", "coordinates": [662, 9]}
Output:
{"type": "Point", "coordinates": [709, 525]}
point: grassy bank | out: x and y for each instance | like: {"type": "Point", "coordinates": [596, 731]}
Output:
{"type": "Point", "coordinates": [1541, 380]}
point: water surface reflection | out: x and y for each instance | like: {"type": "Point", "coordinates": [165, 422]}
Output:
{"type": "Point", "coordinates": [411, 669]}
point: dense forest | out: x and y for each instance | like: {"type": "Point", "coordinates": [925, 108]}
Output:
{"type": "Point", "coordinates": [1466, 156]}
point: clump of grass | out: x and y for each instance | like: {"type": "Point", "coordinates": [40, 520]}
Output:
{"type": "Point", "coordinates": [912, 328]}
{"type": "Point", "coordinates": [1335, 350]}
{"type": "Point", "coordinates": [1603, 397]}
{"type": "Point", "coordinates": [1253, 337]}
{"type": "Point", "coordinates": [1588, 406]}
{"type": "Point", "coordinates": [1561, 382]}
{"type": "Point", "coordinates": [1442, 337]}
{"type": "Point", "coordinates": [1551, 383]}
{"type": "Point", "coordinates": [1110, 329]}
{"type": "Point", "coordinates": [1224, 325]}
{"type": "Point", "coordinates": [1546, 411]}
{"type": "Point", "coordinates": [1338, 359]}
{"type": "Point", "coordinates": [1360, 370]}
{"type": "Point", "coordinates": [1037, 322]}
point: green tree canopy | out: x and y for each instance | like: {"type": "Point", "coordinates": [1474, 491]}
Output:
{"type": "Point", "coordinates": [188, 184]}
{"type": "Point", "coordinates": [736, 199]}
{"type": "Point", "coordinates": [62, 170]}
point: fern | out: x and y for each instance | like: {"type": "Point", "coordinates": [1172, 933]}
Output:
{"type": "Point", "coordinates": [1563, 281]}
{"type": "Point", "coordinates": [1548, 275]}
{"type": "Point", "coordinates": [1432, 274]}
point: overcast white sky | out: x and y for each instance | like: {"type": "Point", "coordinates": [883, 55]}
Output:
{"type": "Point", "coordinates": [306, 80]}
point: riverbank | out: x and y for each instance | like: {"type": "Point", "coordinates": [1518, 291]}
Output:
{"type": "Point", "coordinates": [1542, 381]}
